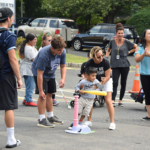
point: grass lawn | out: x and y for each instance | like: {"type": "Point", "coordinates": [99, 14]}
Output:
{"type": "Point", "coordinates": [70, 58]}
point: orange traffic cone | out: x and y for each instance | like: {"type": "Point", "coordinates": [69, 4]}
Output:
{"type": "Point", "coordinates": [136, 82]}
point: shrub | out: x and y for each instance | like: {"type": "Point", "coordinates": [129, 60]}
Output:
{"type": "Point", "coordinates": [39, 41]}
{"type": "Point", "coordinates": [19, 42]}
{"type": "Point", "coordinates": [140, 20]}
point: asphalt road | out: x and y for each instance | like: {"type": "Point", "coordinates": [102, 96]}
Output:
{"type": "Point", "coordinates": [131, 133]}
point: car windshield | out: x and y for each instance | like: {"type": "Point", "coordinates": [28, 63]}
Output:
{"type": "Point", "coordinates": [65, 24]}
{"type": "Point", "coordinates": [128, 31]}
{"type": "Point", "coordinates": [22, 21]}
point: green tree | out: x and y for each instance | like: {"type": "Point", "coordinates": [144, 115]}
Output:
{"type": "Point", "coordinates": [140, 20]}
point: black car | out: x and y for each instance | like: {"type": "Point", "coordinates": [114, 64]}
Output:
{"type": "Point", "coordinates": [101, 34]}
{"type": "Point", "coordinates": [21, 21]}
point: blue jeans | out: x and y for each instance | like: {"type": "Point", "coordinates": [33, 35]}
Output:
{"type": "Point", "coordinates": [30, 85]}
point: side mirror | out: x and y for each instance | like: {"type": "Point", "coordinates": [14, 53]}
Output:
{"type": "Point", "coordinates": [88, 32]}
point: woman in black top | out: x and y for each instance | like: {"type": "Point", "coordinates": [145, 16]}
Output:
{"type": "Point", "coordinates": [103, 75]}
{"type": "Point", "coordinates": [120, 48]}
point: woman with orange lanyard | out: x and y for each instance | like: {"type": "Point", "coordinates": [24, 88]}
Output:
{"type": "Point", "coordinates": [119, 48]}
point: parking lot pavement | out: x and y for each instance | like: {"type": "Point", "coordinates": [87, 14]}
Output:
{"type": "Point", "coordinates": [131, 133]}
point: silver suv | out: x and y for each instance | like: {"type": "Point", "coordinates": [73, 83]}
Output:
{"type": "Point", "coordinates": [52, 25]}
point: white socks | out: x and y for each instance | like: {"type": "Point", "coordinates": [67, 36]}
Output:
{"type": "Point", "coordinates": [42, 117]}
{"type": "Point", "coordinates": [11, 138]}
{"type": "Point", "coordinates": [50, 114]}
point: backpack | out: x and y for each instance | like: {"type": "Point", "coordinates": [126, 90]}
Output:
{"type": "Point", "coordinates": [2, 61]}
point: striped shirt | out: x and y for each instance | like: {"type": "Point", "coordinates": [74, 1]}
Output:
{"type": "Point", "coordinates": [145, 63]}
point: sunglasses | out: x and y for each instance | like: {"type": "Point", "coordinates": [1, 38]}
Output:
{"type": "Point", "coordinates": [100, 56]}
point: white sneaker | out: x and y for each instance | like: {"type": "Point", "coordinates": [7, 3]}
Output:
{"type": "Point", "coordinates": [112, 126]}
{"type": "Point", "coordinates": [88, 123]}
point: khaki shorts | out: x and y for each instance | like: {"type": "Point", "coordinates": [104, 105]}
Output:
{"type": "Point", "coordinates": [85, 106]}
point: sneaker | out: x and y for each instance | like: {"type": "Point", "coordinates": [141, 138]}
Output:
{"type": "Point", "coordinates": [31, 104]}
{"type": "Point", "coordinates": [112, 126]}
{"type": "Point", "coordinates": [145, 118]}
{"type": "Point", "coordinates": [88, 123]}
{"type": "Point", "coordinates": [70, 127]}
{"type": "Point", "coordinates": [14, 145]}
{"type": "Point", "coordinates": [114, 104]}
{"type": "Point", "coordinates": [54, 120]}
{"type": "Point", "coordinates": [24, 102]}
{"type": "Point", "coordinates": [120, 104]}
{"type": "Point", "coordinates": [45, 123]}
{"type": "Point", "coordinates": [55, 103]}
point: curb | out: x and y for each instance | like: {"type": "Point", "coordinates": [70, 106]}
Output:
{"type": "Point", "coordinates": [78, 65]}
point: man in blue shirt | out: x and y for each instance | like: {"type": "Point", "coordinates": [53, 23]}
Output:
{"type": "Point", "coordinates": [8, 70]}
{"type": "Point", "coordinates": [43, 69]}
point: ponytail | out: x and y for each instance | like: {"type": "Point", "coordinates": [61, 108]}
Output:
{"type": "Point", "coordinates": [21, 50]}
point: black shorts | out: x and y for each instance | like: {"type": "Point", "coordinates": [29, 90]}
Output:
{"type": "Point", "coordinates": [8, 93]}
{"type": "Point", "coordinates": [49, 85]}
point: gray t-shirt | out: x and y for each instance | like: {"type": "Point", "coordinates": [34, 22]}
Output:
{"type": "Point", "coordinates": [26, 63]}
{"type": "Point", "coordinates": [123, 52]}
{"type": "Point", "coordinates": [88, 86]}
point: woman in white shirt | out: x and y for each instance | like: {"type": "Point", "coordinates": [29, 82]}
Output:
{"type": "Point", "coordinates": [27, 54]}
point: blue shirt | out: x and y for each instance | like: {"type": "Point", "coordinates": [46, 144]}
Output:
{"type": "Point", "coordinates": [7, 42]}
{"type": "Point", "coordinates": [145, 63]}
{"type": "Point", "coordinates": [47, 62]}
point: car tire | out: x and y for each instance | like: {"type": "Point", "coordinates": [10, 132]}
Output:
{"type": "Point", "coordinates": [106, 47]}
{"type": "Point", "coordinates": [21, 34]}
{"type": "Point", "coordinates": [77, 44]}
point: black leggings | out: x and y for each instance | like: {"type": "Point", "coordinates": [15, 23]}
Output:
{"type": "Point", "coordinates": [116, 72]}
{"type": "Point", "coordinates": [145, 81]}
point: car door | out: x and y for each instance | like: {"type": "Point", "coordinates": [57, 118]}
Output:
{"type": "Point", "coordinates": [93, 37]}
{"type": "Point", "coordinates": [41, 27]}
{"type": "Point", "coordinates": [33, 27]}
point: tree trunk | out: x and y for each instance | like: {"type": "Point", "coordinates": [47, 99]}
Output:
{"type": "Point", "coordinates": [74, 17]}
{"type": "Point", "coordinates": [111, 17]}
{"type": "Point", "coordinates": [105, 19]}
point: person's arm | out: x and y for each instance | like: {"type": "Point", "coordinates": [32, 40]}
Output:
{"type": "Point", "coordinates": [77, 88]}
{"type": "Point", "coordinates": [139, 57]}
{"type": "Point", "coordinates": [108, 52]}
{"type": "Point", "coordinates": [107, 75]}
{"type": "Point", "coordinates": [133, 50]}
{"type": "Point", "coordinates": [15, 67]}
{"type": "Point", "coordinates": [63, 75]}
{"type": "Point", "coordinates": [40, 83]}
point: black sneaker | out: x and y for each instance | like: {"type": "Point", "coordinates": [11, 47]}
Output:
{"type": "Point", "coordinates": [45, 123]}
{"type": "Point", "coordinates": [120, 104]}
{"type": "Point", "coordinates": [145, 118]}
{"type": "Point", "coordinates": [114, 104]}
{"type": "Point", "coordinates": [70, 127]}
{"type": "Point", "coordinates": [14, 145]}
{"type": "Point", "coordinates": [54, 120]}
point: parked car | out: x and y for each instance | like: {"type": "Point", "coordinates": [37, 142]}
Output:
{"type": "Point", "coordinates": [21, 21]}
{"type": "Point", "coordinates": [49, 24]}
{"type": "Point", "coordinates": [101, 34]}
